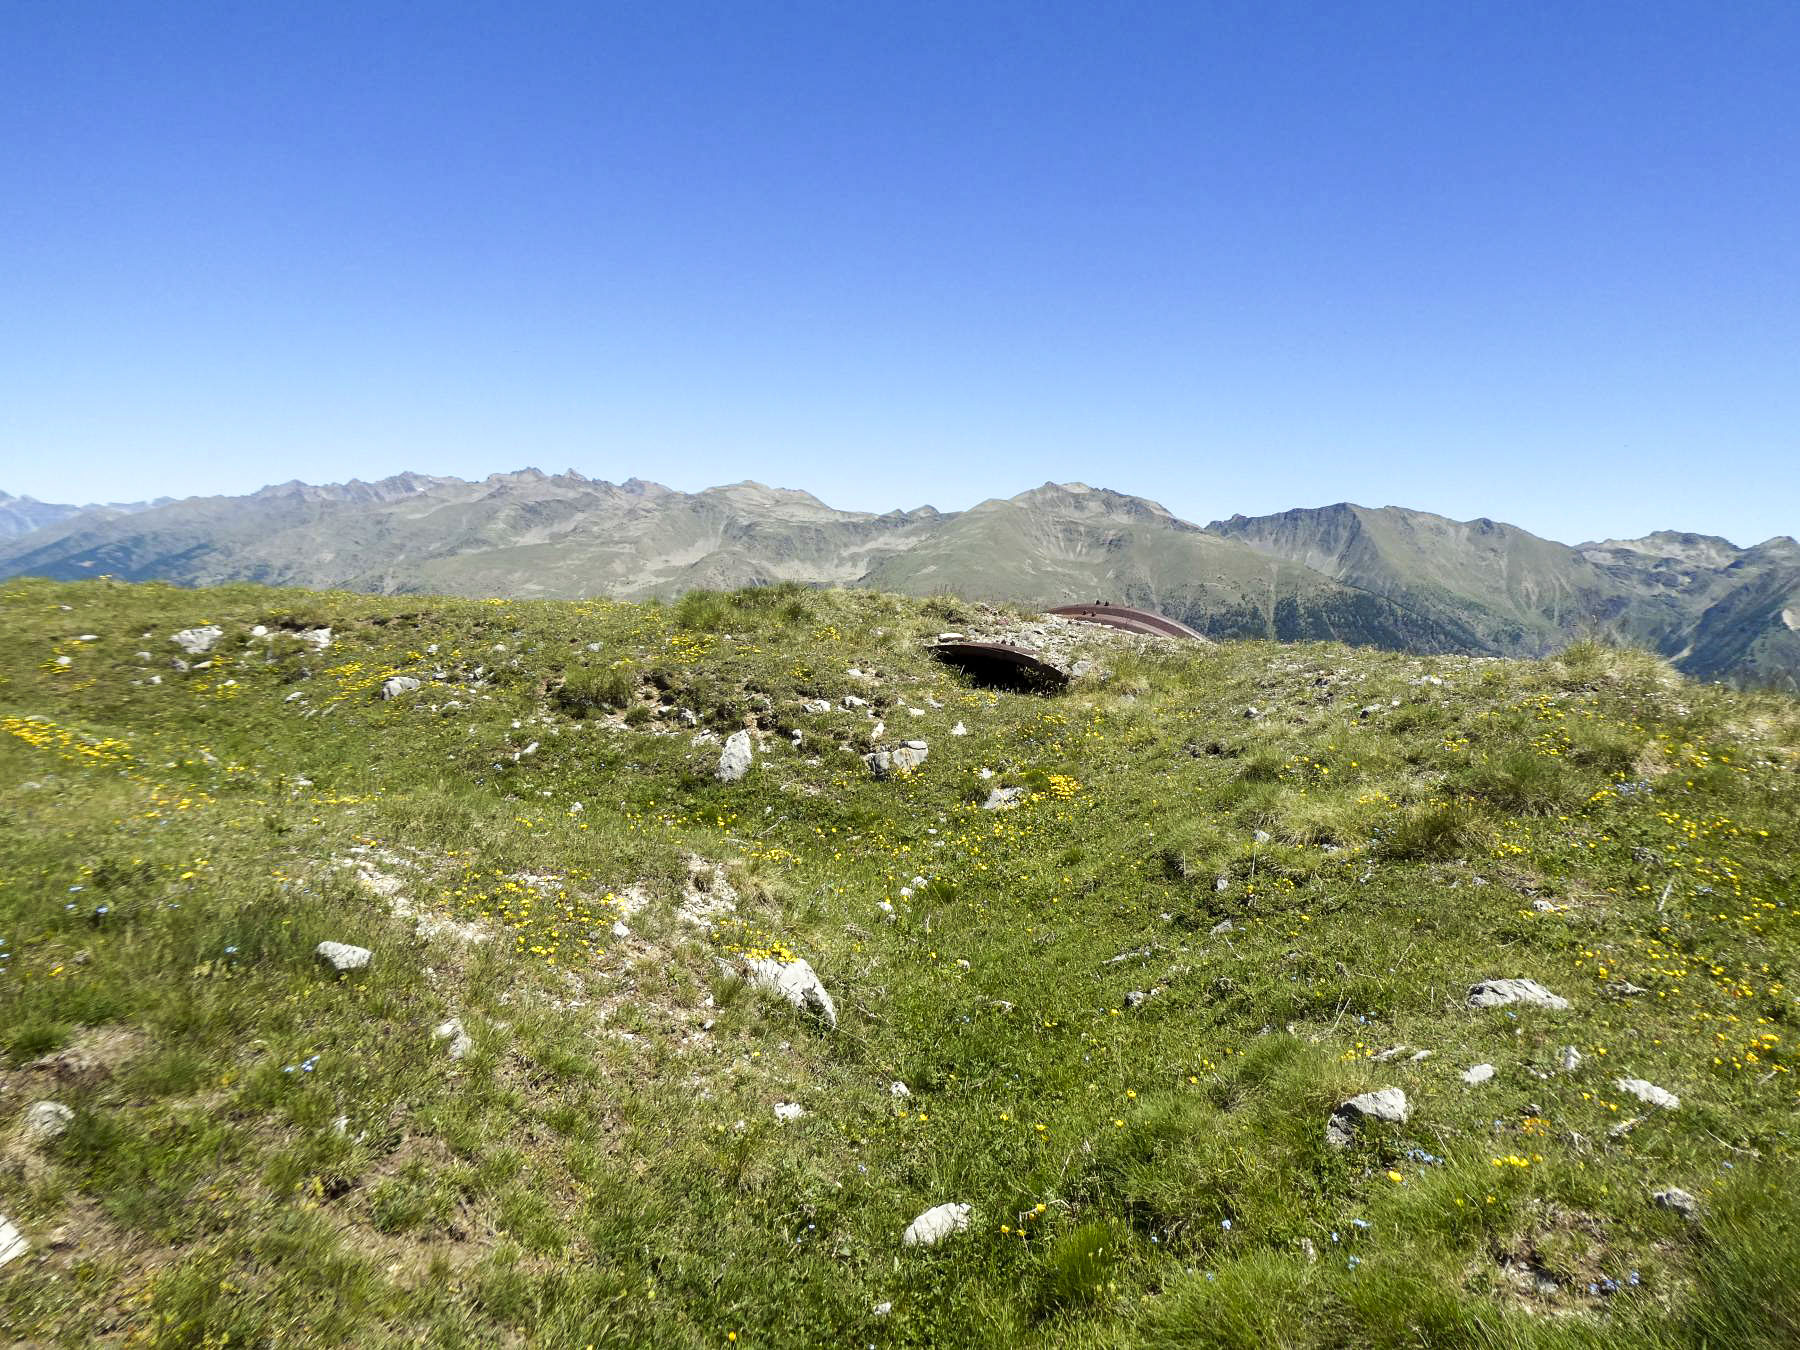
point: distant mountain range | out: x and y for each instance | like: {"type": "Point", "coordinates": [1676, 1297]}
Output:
{"type": "Point", "coordinates": [21, 515]}
{"type": "Point", "coordinates": [1388, 577]}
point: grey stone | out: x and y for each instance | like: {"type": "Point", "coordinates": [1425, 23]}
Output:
{"type": "Point", "coordinates": [398, 685]}
{"type": "Point", "coordinates": [1571, 1059]}
{"type": "Point", "coordinates": [1680, 1201]}
{"type": "Point", "coordinates": [734, 760]}
{"type": "Point", "coordinates": [44, 1121]}
{"type": "Point", "coordinates": [1477, 1074]}
{"type": "Point", "coordinates": [959, 730]}
{"type": "Point", "coordinates": [1387, 1104]}
{"type": "Point", "coordinates": [789, 1110]}
{"type": "Point", "coordinates": [342, 956]}
{"type": "Point", "coordinates": [902, 759]}
{"type": "Point", "coordinates": [1002, 799]}
{"type": "Point", "coordinates": [1498, 993]}
{"type": "Point", "coordinates": [899, 1090]}
{"type": "Point", "coordinates": [936, 1224]}
{"type": "Point", "coordinates": [198, 641]}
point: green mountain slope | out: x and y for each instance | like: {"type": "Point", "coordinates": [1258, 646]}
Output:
{"type": "Point", "coordinates": [1062, 543]}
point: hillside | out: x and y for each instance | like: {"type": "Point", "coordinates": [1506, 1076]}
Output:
{"type": "Point", "coordinates": [1394, 578]}
{"type": "Point", "coordinates": [1131, 1017]}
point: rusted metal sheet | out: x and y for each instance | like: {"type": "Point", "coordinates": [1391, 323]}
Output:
{"type": "Point", "coordinates": [995, 663]}
{"type": "Point", "coordinates": [1131, 620]}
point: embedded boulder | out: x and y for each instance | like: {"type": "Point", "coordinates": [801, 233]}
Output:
{"type": "Point", "coordinates": [1388, 1104]}
{"type": "Point", "coordinates": [1499, 993]}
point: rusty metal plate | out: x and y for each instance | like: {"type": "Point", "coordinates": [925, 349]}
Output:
{"type": "Point", "coordinates": [1129, 619]}
{"type": "Point", "coordinates": [995, 663]}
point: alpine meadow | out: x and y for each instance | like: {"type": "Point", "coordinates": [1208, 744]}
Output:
{"type": "Point", "coordinates": [729, 970]}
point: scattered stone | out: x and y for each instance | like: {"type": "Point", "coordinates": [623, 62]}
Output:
{"type": "Point", "coordinates": [1649, 1093]}
{"type": "Point", "coordinates": [1625, 989]}
{"type": "Point", "coordinates": [1392, 1052]}
{"type": "Point", "coordinates": [1138, 997]}
{"type": "Point", "coordinates": [13, 1243]}
{"type": "Point", "coordinates": [959, 730]}
{"type": "Point", "coordinates": [817, 705]}
{"type": "Point", "coordinates": [1310, 1252]}
{"type": "Point", "coordinates": [734, 760]}
{"type": "Point", "coordinates": [899, 1090]}
{"type": "Point", "coordinates": [398, 685]}
{"type": "Point", "coordinates": [319, 638]}
{"type": "Point", "coordinates": [902, 759]}
{"type": "Point", "coordinates": [1543, 907]}
{"type": "Point", "coordinates": [852, 701]}
{"type": "Point", "coordinates": [789, 1110]}
{"type": "Point", "coordinates": [883, 1308]}
{"type": "Point", "coordinates": [1263, 836]}
{"type": "Point", "coordinates": [1388, 1104]}
{"type": "Point", "coordinates": [1678, 1200]}
{"type": "Point", "coordinates": [198, 641]}
{"type": "Point", "coordinates": [1498, 993]}
{"type": "Point", "coordinates": [460, 1040]}
{"type": "Point", "coordinates": [1624, 1127]}
{"type": "Point", "coordinates": [1420, 1056]}
{"type": "Point", "coordinates": [342, 956]}
{"type": "Point", "coordinates": [45, 1121]}
{"type": "Point", "coordinates": [1571, 1059]}
{"type": "Point", "coordinates": [1002, 799]}
{"type": "Point", "coordinates": [794, 981]}
{"type": "Point", "coordinates": [1223, 926]}
{"type": "Point", "coordinates": [936, 1224]}
{"type": "Point", "coordinates": [1478, 1074]}
{"type": "Point", "coordinates": [621, 929]}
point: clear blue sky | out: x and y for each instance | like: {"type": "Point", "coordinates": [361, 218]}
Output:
{"type": "Point", "coordinates": [1536, 261]}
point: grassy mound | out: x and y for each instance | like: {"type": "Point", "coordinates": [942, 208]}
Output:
{"type": "Point", "coordinates": [1122, 1010]}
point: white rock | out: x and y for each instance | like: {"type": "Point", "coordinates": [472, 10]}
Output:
{"type": "Point", "coordinates": [1649, 1093]}
{"type": "Point", "coordinates": [1002, 799]}
{"type": "Point", "coordinates": [883, 1308]}
{"type": "Point", "coordinates": [1571, 1059]}
{"type": "Point", "coordinates": [460, 1040]}
{"type": "Point", "coordinates": [1420, 1056]}
{"type": "Point", "coordinates": [261, 630]}
{"type": "Point", "coordinates": [1498, 993]}
{"type": "Point", "coordinates": [793, 981]}
{"type": "Point", "coordinates": [44, 1121]}
{"type": "Point", "coordinates": [852, 701]}
{"type": "Point", "coordinates": [297, 694]}
{"type": "Point", "coordinates": [620, 929]}
{"type": "Point", "coordinates": [1478, 1073]}
{"type": "Point", "coordinates": [897, 1089]}
{"type": "Point", "coordinates": [789, 1110]}
{"type": "Point", "coordinates": [735, 759]}
{"type": "Point", "coordinates": [936, 1224]}
{"type": "Point", "coordinates": [1388, 1104]}
{"type": "Point", "coordinates": [398, 685]}
{"type": "Point", "coordinates": [319, 638]}
{"type": "Point", "coordinates": [342, 956]}
{"type": "Point", "coordinates": [1263, 836]}
{"type": "Point", "coordinates": [959, 730]}
{"type": "Point", "coordinates": [198, 641]}
{"type": "Point", "coordinates": [12, 1241]}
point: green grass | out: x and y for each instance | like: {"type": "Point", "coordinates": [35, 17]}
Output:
{"type": "Point", "coordinates": [266, 1152]}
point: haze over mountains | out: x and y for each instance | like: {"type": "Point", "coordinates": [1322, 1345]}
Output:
{"type": "Point", "coordinates": [1388, 577]}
